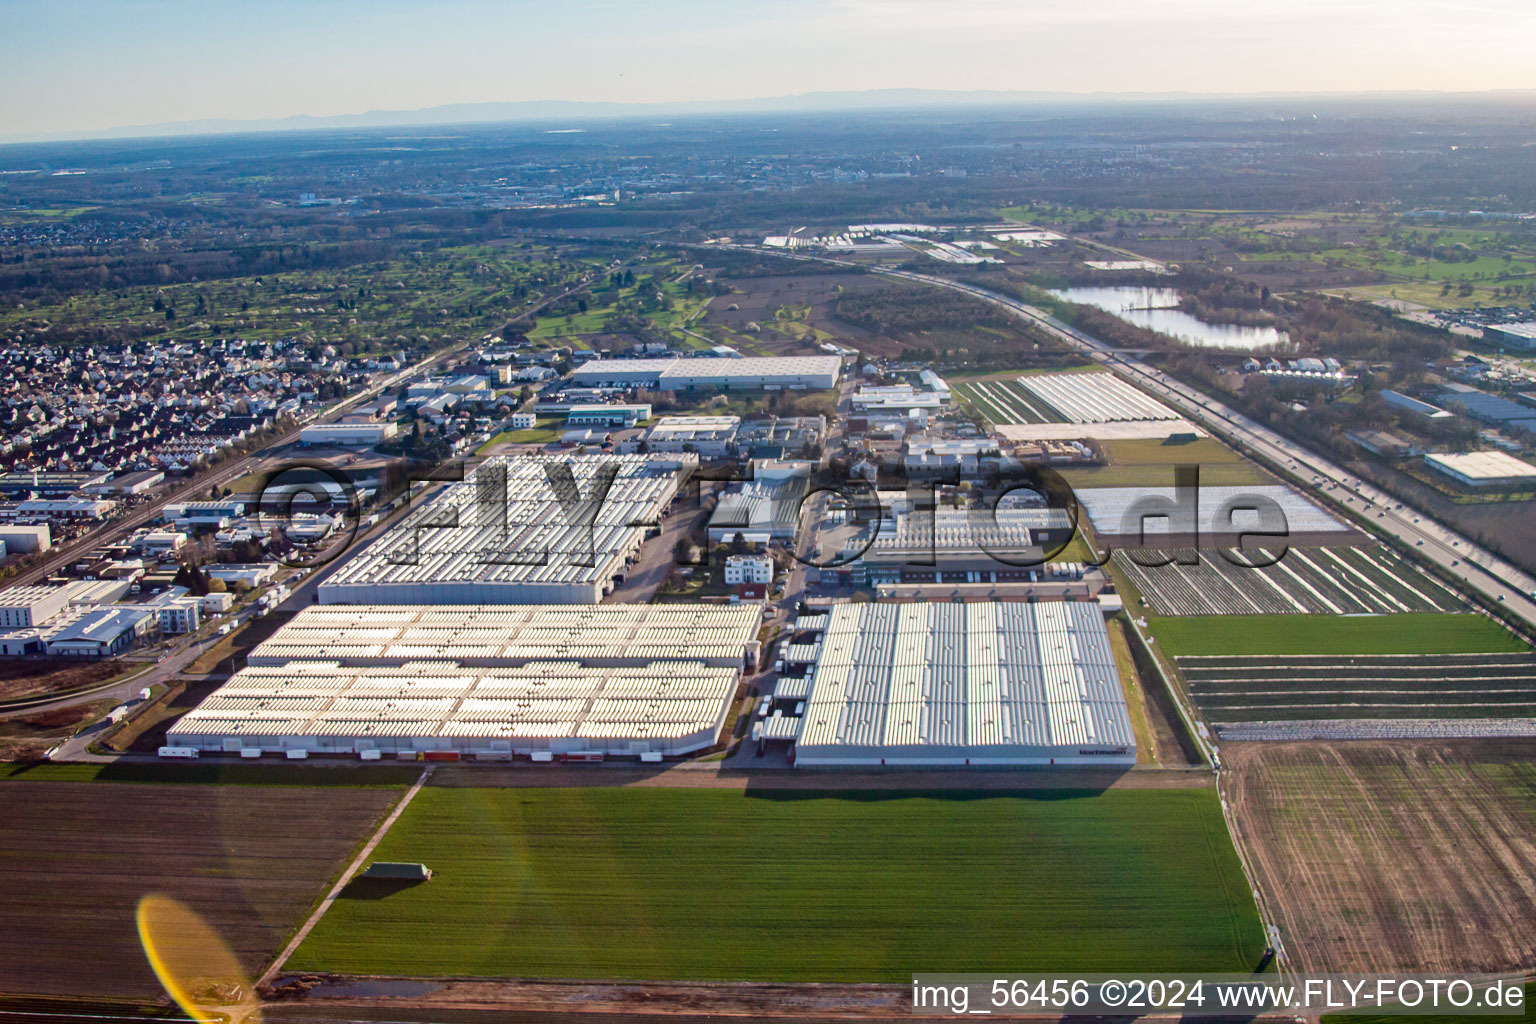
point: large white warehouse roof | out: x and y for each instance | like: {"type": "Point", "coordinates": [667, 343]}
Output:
{"type": "Point", "coordinates": [999, 683]}
{"type": "Point", "coordinates": [485, 541]}
{"type": "Point", "coordinates": [498, 634]}
{"type": "Point", "coordinates": [615, 679]}
{"type": "Point", "coordinates": [1484, 467]}
{"type": "Point", "coordinates": [748, 371]}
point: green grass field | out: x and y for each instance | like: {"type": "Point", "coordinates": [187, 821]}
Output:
{"type": "Point", "coordinates": [1416, 633]}
{"type": "Point", "coordinates": [796, 886]}
{"type": "Point", "coordinates": [546, 432]}
{"type": "Point", "coordinates": [1149, 463]}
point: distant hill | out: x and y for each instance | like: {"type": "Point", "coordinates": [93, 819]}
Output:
{"type": "Point", "coordinates": [558, 111]}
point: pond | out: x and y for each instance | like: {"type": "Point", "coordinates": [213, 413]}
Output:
{"type": "Point", "coordinates": [1157, 309]}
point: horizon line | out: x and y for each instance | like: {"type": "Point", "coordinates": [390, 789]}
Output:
{"type": "Point", "coordinates": [623, 109]}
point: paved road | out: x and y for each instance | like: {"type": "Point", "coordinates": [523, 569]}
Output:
{"type": "Point", "coordinates": [656, 560]}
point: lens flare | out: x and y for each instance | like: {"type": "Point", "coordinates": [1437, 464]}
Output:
{"type": "Point", "coordinates": [194, 964]}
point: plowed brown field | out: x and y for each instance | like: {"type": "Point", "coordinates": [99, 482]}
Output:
{"type": "Point", "coordinates": [75, 857]}
{"type": "Point", "coordinates": [1380, 856]}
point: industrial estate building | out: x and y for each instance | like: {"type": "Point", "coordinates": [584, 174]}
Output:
{"type": "Point", "coordinates": [1412, 406]}
{"type": "Point", "coordinates": [348, 434]}
{"type": "Point", "coordinates": [677, 373]}
{"type": "Point", "coordinates": [77, 619]}
{"type": "Point", "coordinates": [959, 545]}
{"type": "Point", "coordinates": [1521, 335]}
{"type": "Point", "coordinates": [25, 537]}
{"type": "Point", "coordinates": [710, 436]}
{"type": "Point", "coordinates": [1001, 683]}
{"type": "Point", "coordinates": [49, 484]}
{"type": "Point", "coordinates": [764, 509]}
{"type": "Point", "coordinates": [484, 681]}
{"type": "Point", "coordinates": [31, 606]}
{"type": "Point", "coordinates": [1485, 469]}
{"type": "Point", "coordinates": [506, 535]}
{"type": "Point", "coordinates": [1487, 408]}
{"type": "Point", "coordinates": [606, 415]}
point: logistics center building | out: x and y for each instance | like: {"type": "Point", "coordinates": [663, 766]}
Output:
{"type": "Point", "coordinates": [517, 530]}
{"type": "Point", "coordinates": [677, 373]}
{"type": "Point", "coordinates": [1006, 683]}
{"type": "Point", "coordinates": [484, 681]}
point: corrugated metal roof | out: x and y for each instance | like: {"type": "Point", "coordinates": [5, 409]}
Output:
{"type": "Point", "coordinates": [781, 727]}
{"type": "Point", "coordinates": [965, 676]}
{"type": "Point", "coordinates": [427, 633]}
{"type": "Point", "coordinates": [505, 525]}
{"type": "Point", "coordinates": [431, 692]}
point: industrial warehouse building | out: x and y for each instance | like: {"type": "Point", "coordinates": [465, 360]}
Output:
{"type": "Point", "coordinates": [959, 545]}
{"type": "Point", "coordinates": [1521, 335]}
{"type": "Point", "coordinates": [484, 680]}
{"type": "Point", "coordinates": [965, 684]}
{"type": "Point", "coordinates": [348, 434]}
{"type": "Point", "coordinates": [712, 437]}
{"type": "Point", "coordinates": [676, 373]}
{"type": "Point", "coordinates": [607, 415]}
{"type": "Point", "coordinates": [764, 509]}
{"type": "Point", "coordinates": [505, 536]}
{"type": "Point", "coordinates": [33, 605]}
{"type": "Point", "coordinates": [49, 484]}
{"type": "Point", "coordinates": [1485, 469]}
{"type": "Point", "coordinates": [25, 538]}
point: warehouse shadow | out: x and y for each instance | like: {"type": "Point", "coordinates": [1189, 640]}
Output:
{"type": "Point", "coordinates": [377, 888]}
{"type": "Point", "coordinates": [958, 785]}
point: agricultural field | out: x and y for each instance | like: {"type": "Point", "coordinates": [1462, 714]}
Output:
{"type": "Point", "coordinates": [706, 884]}
{"type": "Point", "coordinates": [1304, 581]}
{"type": "Point", "coordinates": [1093, 398]}
{"type": "Point", "coordinates": [1149, 463]}
{"type": "Point", "coordinates": [1410, 633]}
{"type": "Point", "coordinates": [1126, 512]}
{"type": "Point", "coordinates": [1003, 402]}
{"type": "Point", "coordinates": [252, 860]}
{"type": "Point", "coordinates": [1379, 857]}
{"type": "Point", "coordinates": [1376, 257]}
{"type": "Point", "coordinates": [1309, 688]}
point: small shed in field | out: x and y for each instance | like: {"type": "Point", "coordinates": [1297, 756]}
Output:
{"type": "Point", "coordinates": [398, 872]}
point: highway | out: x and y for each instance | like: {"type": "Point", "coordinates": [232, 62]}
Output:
{"type": "Point", "coordinates": [1478, 570]}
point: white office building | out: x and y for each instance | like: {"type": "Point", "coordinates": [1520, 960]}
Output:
{"type": "Point", "coordinates": [748, 569]}
{"type": "Point", "coordinates": [178, 615]}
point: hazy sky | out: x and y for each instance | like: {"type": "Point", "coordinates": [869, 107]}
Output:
{"type": "Point", "coordinates": [72, 65]}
